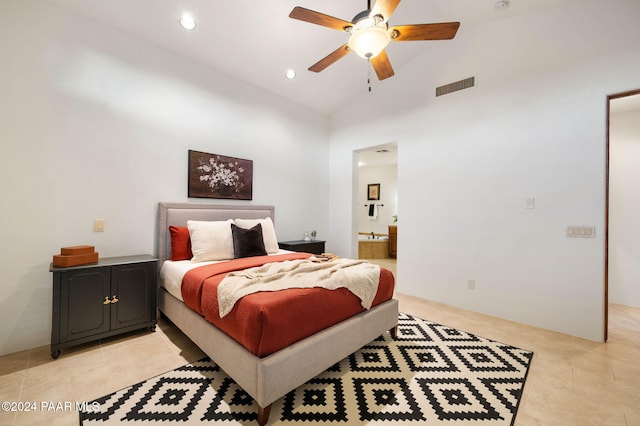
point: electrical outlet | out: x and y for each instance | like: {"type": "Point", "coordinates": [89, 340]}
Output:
{"type": "Point", "coordinates": [98, 225]}
{"type": "Point", "coordinates": [471, 284]}
{"type": "Point", "coordinates": [530, 203]}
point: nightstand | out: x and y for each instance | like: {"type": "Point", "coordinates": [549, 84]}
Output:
{"type": "Point", "coordinates": [314, 247]}
{"type": "Point", "coordinates": [110, 297]}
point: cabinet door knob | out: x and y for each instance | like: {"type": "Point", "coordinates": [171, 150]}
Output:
{"type": "Point", "coordinates": [114, 299]}
{"type": "Point", "coordinates": [106, 300]}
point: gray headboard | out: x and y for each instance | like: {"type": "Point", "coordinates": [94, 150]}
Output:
{"type": "Point", "coordinates": [178, 214]}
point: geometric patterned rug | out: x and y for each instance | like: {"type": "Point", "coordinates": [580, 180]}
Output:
{"type": "Point", "coordinates": [431, 374]}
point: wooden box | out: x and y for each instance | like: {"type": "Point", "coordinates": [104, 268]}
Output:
{"type": "Point", "coordinates": [75, 250]}
{"type": "Point", "coordinates": [74, 256]}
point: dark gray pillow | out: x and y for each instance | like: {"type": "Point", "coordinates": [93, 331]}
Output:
{"type": "Point", "coordinates": [247, 242]}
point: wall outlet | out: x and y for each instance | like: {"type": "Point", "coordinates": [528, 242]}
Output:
{"type": "Point", "coordinates": [530, 203]}
{"type": "Point", "coordinates": [471, 284]}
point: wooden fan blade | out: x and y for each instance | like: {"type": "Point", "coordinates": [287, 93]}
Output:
{"type": "Point", "coordinates": [306, 15]}
{"type": "Point", "coordinates": [384, 8]}
{"type": "Point", "coordinates": [330, 58]}
{"type": "Point", "coordinates": [442, 31]}
{"type": "Point", "coordinates": [382, 65]}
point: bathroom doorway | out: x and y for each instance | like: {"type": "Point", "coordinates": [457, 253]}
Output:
{"type": "Point", "coordinates": [622, 235]}
{"type": "Point", "coordinates": [377, 204]}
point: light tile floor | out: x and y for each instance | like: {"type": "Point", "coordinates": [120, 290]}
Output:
{"type": "Point", "coordinates": [572, 381]}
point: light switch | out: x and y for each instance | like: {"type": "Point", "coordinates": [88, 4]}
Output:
{"type": "Point", "coordinates": [581, 231]}
{"type": "Point", "coordinates": [98, 225]}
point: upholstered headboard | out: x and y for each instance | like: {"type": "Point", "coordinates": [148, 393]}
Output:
{"type": "Point", "coordinates": [178, 214]}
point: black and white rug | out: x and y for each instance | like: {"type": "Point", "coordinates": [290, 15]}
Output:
{"type": "Point", "coordinates": [431, 374]}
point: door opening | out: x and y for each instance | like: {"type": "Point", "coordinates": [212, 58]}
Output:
{"type": "Point", "coordinates": [622, 109]}
{"type": "Point", "coordinates": [377, 204]}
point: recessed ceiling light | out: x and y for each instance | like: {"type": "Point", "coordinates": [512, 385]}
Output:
{"type": "Point", "coordinates": [187, 21]}
{"type": "Point", "coordinates": [290, 74]}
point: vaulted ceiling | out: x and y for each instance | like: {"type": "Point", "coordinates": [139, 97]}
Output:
{"type": "Point", "coordinates": [257, 42]}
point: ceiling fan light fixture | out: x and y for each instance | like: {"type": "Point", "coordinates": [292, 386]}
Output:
{"type": "Point", "coordinates": [369, 34]}
{"type": "Point", "coordinates": [368, 42]}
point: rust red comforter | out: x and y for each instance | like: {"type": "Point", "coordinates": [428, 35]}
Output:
{"type": "Point", "coordinates": [266, 322]}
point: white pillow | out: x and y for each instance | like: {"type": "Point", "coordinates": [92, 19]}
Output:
{"type": "Point", "coordinates": [210, 240]}
{"type": "Point", "coordinates": [268, 232]}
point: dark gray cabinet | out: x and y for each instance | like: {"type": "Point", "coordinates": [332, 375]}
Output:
{"type": "Point", "coordinates": [113, 296]}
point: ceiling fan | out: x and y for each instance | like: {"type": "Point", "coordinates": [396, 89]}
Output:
{"type": "Point", "coordinates": [370, 34]}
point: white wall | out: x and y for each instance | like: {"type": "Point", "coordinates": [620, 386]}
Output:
{"type": "Point", "coordinates": [96, 124]}
{"type": "Point", "coordinates": [387, 177]}
{"type": "Point", "coordinates": [534, 126]}
{"type": "Point", "coordinates": [624, 208]}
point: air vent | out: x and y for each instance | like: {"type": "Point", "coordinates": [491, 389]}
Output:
{"type": "Point", "coordinates": [455, 86]}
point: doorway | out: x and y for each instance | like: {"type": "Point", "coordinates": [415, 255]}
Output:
{"type": "Point", "coordinates": [377, 204]}
{"type": "Point", "coordinates": [622, 231]}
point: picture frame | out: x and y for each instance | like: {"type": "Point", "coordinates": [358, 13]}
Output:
{"type": "Point", "coordinates": [219, 176]}
{"type": "Point", "coordinates": [373, 191]}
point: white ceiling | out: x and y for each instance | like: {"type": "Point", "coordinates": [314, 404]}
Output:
{"type": "Point", "coordinates": [257, 42]}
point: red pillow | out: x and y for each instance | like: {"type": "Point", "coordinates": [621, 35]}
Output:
{"type": "Point", "coordinates": [180, 243]}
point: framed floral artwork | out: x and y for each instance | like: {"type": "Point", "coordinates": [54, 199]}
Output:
{"type": "Point", "coordinates": [218, 176]}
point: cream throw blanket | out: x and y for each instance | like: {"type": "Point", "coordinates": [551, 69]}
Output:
{"type": "Point", "coordinates": [358, 276]}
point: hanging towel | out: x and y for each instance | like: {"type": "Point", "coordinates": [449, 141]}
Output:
{"type": "Point", "coordinates": [373, 211]}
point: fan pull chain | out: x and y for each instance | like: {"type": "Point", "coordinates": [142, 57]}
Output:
{"type": "Point", "coordinates": [369, 74]}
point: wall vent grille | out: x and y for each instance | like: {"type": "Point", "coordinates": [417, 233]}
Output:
{"type": "Point", "coordinates": [455, 86]}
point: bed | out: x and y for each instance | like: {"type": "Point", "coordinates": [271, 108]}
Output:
{"type": "Point", "coordinates": [269, 377]}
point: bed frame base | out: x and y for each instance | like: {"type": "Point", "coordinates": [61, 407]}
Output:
{"type": "Point", "coordinates": [270, 378]}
